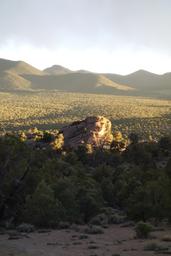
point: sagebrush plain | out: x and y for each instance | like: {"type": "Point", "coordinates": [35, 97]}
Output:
{"type": "Point", "coordinates": [52, 110]}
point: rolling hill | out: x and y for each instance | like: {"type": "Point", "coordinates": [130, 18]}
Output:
{"type": "Point", "coordinates": [57, 70]}
{"type": "Point", "coordinates": [140, 79]}
{"type": "Point", "coordinates": [20, 75]}
{"type": "Point", "coordinates": [76, 82]}
{"type": "Point", "coordinates": [11, 74]}
{"type": "Point", "coordinates": [18, 67]}
{"type": "Point", "coordinates": [145, 83]}
{"type": "Point", "coordinates": [12, 81]}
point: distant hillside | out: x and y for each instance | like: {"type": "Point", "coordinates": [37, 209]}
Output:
{"type": "Point", "coordinates": [57, 70]}
{"type": "Point", "coordinates": [76, 82]}
{"type": "Point", "coordinates": [18, 67]}
{"type": "Point", "coordinates": [60, 70]}
{"type": "Point", "coordinates": [140, 79]}
{"type": "Point", "coordinates": [145, 82]}
{"type": "Point", "coordinates": [20, 75]}
{"type": "Point", "coordinates": [83, 71]}
{"type": "Point", "coordinates": [10, 80]}
{"type": "Point", "coordinates": [11, 74]}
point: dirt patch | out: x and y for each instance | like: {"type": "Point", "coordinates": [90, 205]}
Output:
{"type": "Point", "coordinates": [115, 240]}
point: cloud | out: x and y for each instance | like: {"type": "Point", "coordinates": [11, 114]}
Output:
{"type": "Point", "coordinates": [88, 33]}
{"type": "Point", "coordinates": [119, 60]}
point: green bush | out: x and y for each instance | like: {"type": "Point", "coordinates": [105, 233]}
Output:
{"type": "Point", "coordinates": [143, 229]}
{"type": "Point", "coordinates": [45, 187]}
{"type": "Point", "coordinates": [42, 209]}
{"type": "Point", "coordinates": [94, 230]}
{"type": "Point", "coordinates": [99, 220]}
{"type": "Point", "coordinates": [25, 227]}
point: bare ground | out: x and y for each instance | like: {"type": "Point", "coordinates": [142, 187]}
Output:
{"type": "Point", "coordinates": [116, 240]}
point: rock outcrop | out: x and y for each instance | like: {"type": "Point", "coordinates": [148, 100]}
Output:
{"type": "Point", "coordinates": [94, 130]}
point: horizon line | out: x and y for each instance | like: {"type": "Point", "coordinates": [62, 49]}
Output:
{"type": "Point", "coordinates": [82, 69]}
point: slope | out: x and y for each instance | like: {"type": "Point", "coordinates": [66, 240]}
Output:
{"type": "Point", "coordinates": [18, 67]}
{"type": "Point", "coordinates": [11, 74]}
{"type": "Point", "coordinates": [76, 82]}
{"type": "Point", "coordinates": [145, 83]}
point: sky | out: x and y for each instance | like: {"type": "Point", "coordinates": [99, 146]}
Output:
{"type": "Point", "coordinates": [116, 36]}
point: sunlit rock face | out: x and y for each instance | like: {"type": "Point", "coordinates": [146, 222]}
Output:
{"type": "Point", "coordinates": [94, 130]}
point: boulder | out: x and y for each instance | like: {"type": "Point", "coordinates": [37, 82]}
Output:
{"type": "Point", "coordinates": [94, 131]}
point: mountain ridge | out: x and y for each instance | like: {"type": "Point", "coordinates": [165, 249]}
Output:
{"type": "Point", "coordinates": [19, 67]}
{"type": "Point", "coordinates": [21, 75]}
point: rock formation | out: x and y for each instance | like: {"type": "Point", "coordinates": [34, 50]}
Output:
{"type": "Point", "coordinates": [94, 130]}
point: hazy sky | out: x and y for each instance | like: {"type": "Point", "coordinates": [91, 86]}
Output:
{"type": "Point", "coordinates": [118, 36]}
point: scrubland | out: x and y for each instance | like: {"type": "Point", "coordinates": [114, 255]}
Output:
{"type": "Point", "coordinates": [82, 202]}
{"type": "Point", "coordinates": [51, 110]}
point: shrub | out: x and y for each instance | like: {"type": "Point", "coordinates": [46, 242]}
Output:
{"type": "Point", "coordinates": [47, 137]}
{"type": "Point", "coordinates": [150, 247]}
{"type": "Point", "coordinates": [143, 229]}
{"type": "Point", "coordinates": [63, 225]}
{"type": "Point", "coordinates": [117, 219]}
{"type": "Point", "coordinates": [26, 228]}
{"type": "Point", "coordinates": [93, 230]}
{"type": "Point", "coordinates": [155, 247]}
{"type": "Point", "coordinates": [42, 209]}
{"type": "Point", "coordinates": [99, 220]}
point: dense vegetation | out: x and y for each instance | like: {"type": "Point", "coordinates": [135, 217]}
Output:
{"type": "Point", "coordinates": [51, 110]}
{"type": "Point", "coordinates": [46, 186]}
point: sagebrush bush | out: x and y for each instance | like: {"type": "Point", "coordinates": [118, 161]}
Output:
{"type": "Point", "coordinates": [143, 229]}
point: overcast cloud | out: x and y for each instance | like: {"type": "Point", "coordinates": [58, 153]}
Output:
{"type": "Point", "coordinates": [117, 36]}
